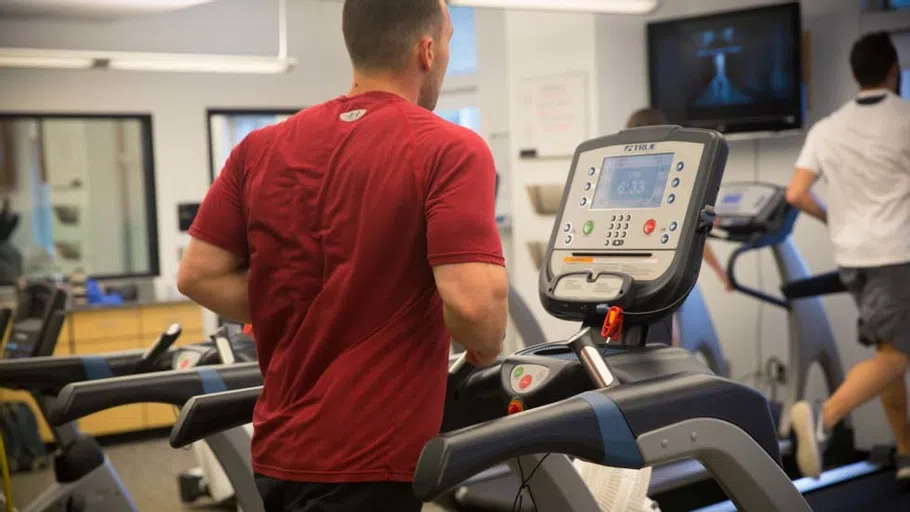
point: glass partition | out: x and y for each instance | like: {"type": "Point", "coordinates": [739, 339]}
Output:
{"type": "Point", "coordinates": [78, 194]}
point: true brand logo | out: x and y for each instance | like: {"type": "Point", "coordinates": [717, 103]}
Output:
{"type": "Point", "coordinates": [631, 148]}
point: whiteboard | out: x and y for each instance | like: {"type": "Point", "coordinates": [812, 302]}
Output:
{"type": "Point", "coordinates": [553, 111]}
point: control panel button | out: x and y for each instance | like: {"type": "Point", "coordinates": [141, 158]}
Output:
{"type": "Point", "coordinates": [670, 199]}
{"type": "Point", "coordinates": [628, 217]}
{"type": "Point", "coordinates": [664, 238]}
{"type": "Point", "coordinates": [609, 234]}
{"type": "Point", "coordinates": [624, 234]}
{"type": "Point", "coordinates": [616, 234]}
{"type": "Point", "coordinates": [650, 226]}
{"type": "Point", "coordinates": [680, 166]}
{"type": "Point", "coordinates": [589, 228]}
{"type": "Point", "coordinates": [612, 226]}
{"type": "Point", "coordinates": [525, 382]}
{"type": "Point", "coordinates": [673, 226]}
{"type": "Point", "coordinates": [569, 239]}
{"type": "Point", "coordinates": [613, 218]}
{"type": "Point", "coordinates": [568, 227]}
{"type": "Point", "coordinates": [592, 171]}
{"type": "Point", "coordinates": [584, 201]}
{"type": "Point", "coordinates": [625, 226]}
{"type": "Point", "coordinates": [674, 183]}
{"type": "Point", "coordinates": [587, 186]}
{"type": "Point", "coordinates": [617, 243]}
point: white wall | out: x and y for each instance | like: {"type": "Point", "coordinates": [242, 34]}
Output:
{"type": "Point", "coordinates": [542, 44]}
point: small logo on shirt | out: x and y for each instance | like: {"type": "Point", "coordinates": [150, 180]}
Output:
{"type": "Point", "coordinates": [638, 147]}
{"type": "Point", "coordinates": [350, 117]}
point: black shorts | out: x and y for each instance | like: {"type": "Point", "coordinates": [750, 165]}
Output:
{"type": "Point", "coordinates": [882, 295]}
{"type": "Point", "coordinates": [283, 496]}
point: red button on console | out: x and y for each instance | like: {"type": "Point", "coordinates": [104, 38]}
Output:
{"type": "Point", "coordinates": [524, 382]}
{"type": "Point", "coordinates": [650, 226]}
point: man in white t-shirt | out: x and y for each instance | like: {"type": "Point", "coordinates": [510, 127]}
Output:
{"type": "Point", "coordinates": [862, 151]}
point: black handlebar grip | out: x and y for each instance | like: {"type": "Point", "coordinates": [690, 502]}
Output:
{"type": "Point", "coordinates": [569, 426]}
{"type": "Point", "coordinates": [205, 415]}
{"type": "Point", "coordinates": [159, 348]}
{"type": "Point", "coordinates": [174, 387]}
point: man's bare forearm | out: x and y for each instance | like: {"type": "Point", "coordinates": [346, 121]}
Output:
{"type": "Point", "coordinates": [483, 333]}
{"type": "Point", "coordinates": [811, 205]}
{"type": "Point", "coordinates": [227, 295]}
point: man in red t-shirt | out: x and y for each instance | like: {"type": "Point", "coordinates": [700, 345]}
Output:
{"type": "Point", "coordinates": [357, 237]}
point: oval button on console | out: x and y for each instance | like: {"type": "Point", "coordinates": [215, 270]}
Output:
{"type": "Point", "coordinates": [650, 226]}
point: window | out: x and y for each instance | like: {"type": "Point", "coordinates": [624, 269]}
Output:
{"type": "Point", "coordinates": [899, 4]}
{"type": "Point", "coordinates": [469, 117]}
{"type": "Point", "coordinates": [463, 47]}
{"type": "Point", "coordinates": [78, 195]}
{"type": "Point", "coordinates": [227, 128]}
{"type": "Point", "coordinates": [905, 83]}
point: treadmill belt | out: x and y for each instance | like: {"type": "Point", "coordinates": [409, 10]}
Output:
{"type": "Point", "coordinates": [877, 492]}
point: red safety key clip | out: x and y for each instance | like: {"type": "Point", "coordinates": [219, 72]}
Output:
{"type": "Point", "coordinates": [612, 328]}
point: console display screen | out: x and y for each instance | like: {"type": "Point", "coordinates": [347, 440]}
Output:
{"type": "Point", "coordinates": [632, 181]}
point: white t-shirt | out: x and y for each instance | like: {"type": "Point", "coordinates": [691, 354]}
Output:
{"type": "Point", "coordinates": [863, 153]}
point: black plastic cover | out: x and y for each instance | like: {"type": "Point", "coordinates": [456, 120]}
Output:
{"type": "Point", "coordinates": [822, 284]}
{"type": "Point", "coordinates": [174, 387]}
{"type": "Point", "coordinates": [48, 375]}
{"type": "Point", "coordinates": [656, 403]}
{"type": "Point", "coordinates": [205, 415]}
{"type": "Point", "coordinates": [569, 426]}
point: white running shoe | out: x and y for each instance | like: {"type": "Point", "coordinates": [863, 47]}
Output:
{"type": "Point", "coordinates": [811, 437]}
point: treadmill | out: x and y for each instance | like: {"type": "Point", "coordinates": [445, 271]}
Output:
{"type": "Point", "coordinates": [601, 396]}
{"type": "Point", "coordinates": [176, 387]}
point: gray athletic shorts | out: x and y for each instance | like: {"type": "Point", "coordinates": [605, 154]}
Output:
{"type": "Point", "coordinates": [882, 295]}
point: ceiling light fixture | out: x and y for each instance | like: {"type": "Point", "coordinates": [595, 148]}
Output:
{"type": "Point", "coordinates": [595, 6]}
{"type": "Point", "coordinates": [144, 61]}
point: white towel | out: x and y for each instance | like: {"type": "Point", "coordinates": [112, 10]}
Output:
{"type": "Point", "coordinates": [618, 489]}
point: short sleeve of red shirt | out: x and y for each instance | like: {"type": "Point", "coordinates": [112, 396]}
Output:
{"type": "Point", "coordinates": [461, 205]}
{"type": "Point", "coordinates": [220, 220]}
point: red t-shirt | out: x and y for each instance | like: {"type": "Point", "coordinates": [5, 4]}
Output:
{"type": "Point", "coordinates": [342, 214]}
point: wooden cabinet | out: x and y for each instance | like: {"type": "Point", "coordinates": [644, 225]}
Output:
{"type": "Point", "coordinates": [115, 329]}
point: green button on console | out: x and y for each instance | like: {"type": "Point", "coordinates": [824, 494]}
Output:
{"type": "Point", "coordinates": [519, 372]}
{"type": "Point", "coordinates": [589, 227]}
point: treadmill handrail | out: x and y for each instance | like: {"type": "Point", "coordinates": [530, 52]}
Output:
{"type": "Point", "coordinates": [206, 415]}
{"type": "Point", "coordinates": [822, 284]}
{"type": "Point", "coordinates": [49, 374]}
{"type": "Point", "coordinates": [172, 387]}
{"type": "Point", "coordinates": [748, 290]}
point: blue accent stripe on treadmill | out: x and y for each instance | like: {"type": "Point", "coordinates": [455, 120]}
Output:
{"type": "Point", "coordinates": [620, 448]}
{"type": "Point", "coordinates": [211, 381]}
{"type": "Point", "coordinates": [828, 478]}
{"type": "Point", "coordinates": [95, 367]}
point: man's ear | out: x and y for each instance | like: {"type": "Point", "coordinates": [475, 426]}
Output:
{"type": "Point", "coordinates": [427, 53]}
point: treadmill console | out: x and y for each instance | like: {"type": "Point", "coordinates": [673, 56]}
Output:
{"type": "Point", "coordinates": [748, 211]}
{"type": "Point", "coordinates": [633, 205]}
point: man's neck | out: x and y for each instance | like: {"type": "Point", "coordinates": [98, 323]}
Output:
{"type": "Point", "coordinates": [398, 86]}
{"type": "Point", "coordinates": [875, 88]}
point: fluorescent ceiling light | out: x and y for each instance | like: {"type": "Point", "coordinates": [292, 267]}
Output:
{"type": "Point", "coordinates": [139, 61]}
{"type": "Point", "coordinates": [598, 6]}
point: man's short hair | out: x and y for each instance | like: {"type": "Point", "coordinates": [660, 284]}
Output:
{"type": "Point", "coordinates": [379, 34]}
{"type": "Point", "coordinates": [646, 117]}
{"type": "Point", "coordinates": [872, 58]}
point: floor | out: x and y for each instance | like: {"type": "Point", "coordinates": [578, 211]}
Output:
{"type": "Point", "coordinates": [149, 470]}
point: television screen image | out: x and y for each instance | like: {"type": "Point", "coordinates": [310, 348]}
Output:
{"type": "Point", "coordinates": [737, 71]}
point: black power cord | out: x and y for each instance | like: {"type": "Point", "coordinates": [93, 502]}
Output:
{"type": "Point", "coordinates": [525, 484]}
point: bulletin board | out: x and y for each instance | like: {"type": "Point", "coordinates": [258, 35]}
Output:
{"type": "Point", "coordinates": [553, 111]}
